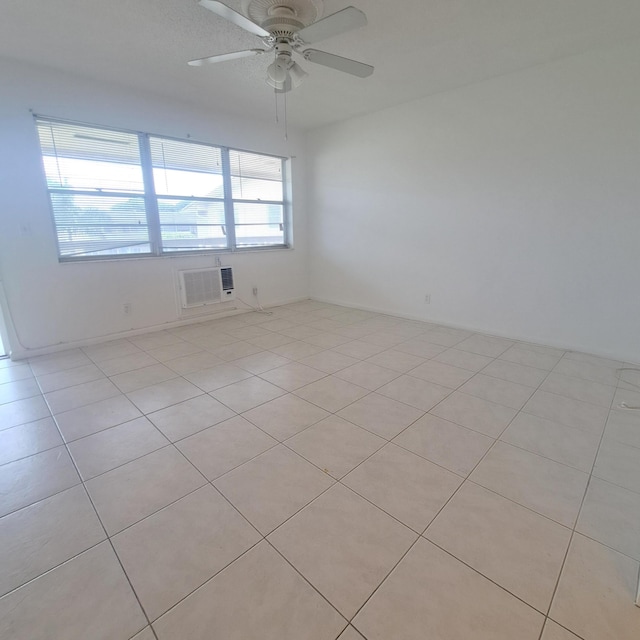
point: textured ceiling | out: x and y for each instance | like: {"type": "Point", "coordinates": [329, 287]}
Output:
{"type": "Point", "coordinates": [419, 47]}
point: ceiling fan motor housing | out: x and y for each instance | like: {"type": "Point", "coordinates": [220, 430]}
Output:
{"type": "Point", "coordinates": [283, 18]}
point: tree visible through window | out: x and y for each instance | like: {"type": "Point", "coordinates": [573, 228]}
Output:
{"type": "Point", "coordinates": [117, 193]}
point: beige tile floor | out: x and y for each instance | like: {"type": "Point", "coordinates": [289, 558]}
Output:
{"type": "Point", "coordinates": [318, 473]}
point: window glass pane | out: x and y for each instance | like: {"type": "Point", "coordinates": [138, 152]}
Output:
{"type": "Point", "coordinates": [259, 224]}
{"type": "Point", "coordinates": [192, 225]}
{"type": "Point", "coordinates": [186, 169]}
{"type": "Point", "coordinates": [255, 177]}
{"type": "Point", "coordinates": [100, 225]}
{"type": "Point", "coordinates": [84, 158]}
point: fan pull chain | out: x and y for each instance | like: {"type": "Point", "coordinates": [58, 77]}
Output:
{"type": "Point", "coordinates": [286, 124]}
{"type": "Point", "coordinates": [275, 94]}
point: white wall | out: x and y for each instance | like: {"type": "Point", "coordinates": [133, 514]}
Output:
{"type": "Point", "coordinates": [515, 203]}
{"type": "Point", "coordinates": [54, 304]}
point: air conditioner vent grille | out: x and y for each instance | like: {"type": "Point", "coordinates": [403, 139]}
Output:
{"type": "Point", "coordinates": [200, 287]}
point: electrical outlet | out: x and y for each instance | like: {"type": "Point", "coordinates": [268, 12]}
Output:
{"type": "Point", "coordinates": [127, 308]}
{"type": "Point", "coordinates": [427, 298]}
{"type": "Point", "coordinates": [255, 291]}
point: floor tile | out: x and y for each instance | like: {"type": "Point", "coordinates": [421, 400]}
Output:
{"type": "Point", "coordinates": [344, 546]}
{"type": "Point", "coordinates": [292, 376]}
{"type": "Point", "coordinates": [404, 485]}
{"type": "Point", "coordinates": [530, 358]}
{"type": "Point", "coordinates": [58, 362]}
{"type": "Point", "coordinates": [113, 447]}
{"type": "Point", "coordinates": [234, 351]}
{"type": "Point", "coordinates": [553, 440]}
{"type": "Point", "coordinates": [270, 341]}
{"type": "Point", "coordinates": [626, 398]}
{"type": "Point", "coordinates": [217, 377]}
{"type": "Point", "coordinates": [415, 392]}
{"type": "Point", "coordinates": [171, 351]}
{"type": "Point", "coordinates": [331, 393]}
{"type": "Point", "coordinates": [587, 371]}
{"type": "Point", "coordinates": [381, 415]}
{"type": "Point", "coordinates": [154, 340]}
{"type": "Point", "coordinates": [247, 394]}
{"type": "Point", "coordinates": [14, 372]}
{"type": "Point", "coordinates": [34, 478]}
{"type": "Point", "coordinates": [474, 413]}
{"type": "Point", "coordinates": [551, 489]}
{"type": "Point", "coordinates": [396, 360]}
{"type": "Point", "coordinates": [68, 603]}
{"type": "Point", "coordinates": [130, 362]}
{"type": "Point", "coordinates": [261, 362]}
{"type": "Point", "coordinates": [432, 595]}
{"type": "Point", "coordinates": [111, 349]}
{"type": "Point", "coordinates": [518, 373]}
{"type": "Point", "coordinates": [367, 375]}
{"type": "Point", "coordinates": [193, 362]}
{"type": "Point", "coordinates": [186, 418]}
{"type": "Point", "coordinates": [138, 489]}
{"type": "Point", "coordinates": [285, 416]}
{"type": "Point", "coordinates": [463, 359]}
{"type": "Point", "coordinates": [272, 487]}
{"type": "Point", "coordinates": [296, 350]}
{"type": "Point", "coordinates": [145, 634]}
{"type": "Point", "coordinates": [23, 411]}
{"type": "Point", "coordinates": [328, 361]}
{"type": "Point", "coordinates": [176, 550]}
{"type": "Point", "coordinates": [80, 395]}
{"type": "Point", "coordinates": [553, 631]}
{"type": "Point", "coordinates": [611, 515]}
{"type": "Point", "coordinates": [572, 413]}
{"type": "Point", "coordinates": [18, 390]}
{"type": "Point", "coordinates": [326, 340]}
{"type": "Point", "coordinates": [164, 394]}
{"type": "Point", "coordinates": [496, 390]}
{"type": "Point", "coordinates": [441, 373]}
{"type": "Point", "coordinates": [28, 439]}
{"type": "Point", "coordinates": [596, 592]}
{"type": "Point", "coordinates": [578, 389]}
{"type": "Point", "coordinates": [446, 336]}
{"type": "Point", "coordinates": [420, 348]}
{"type": "Point", "coordinates": [456, 448]}
{"type": "Point", "coordinates": [69, 377]}
{"type": "Point", "coordinates": [485, 345]}
{"type": "Point", "coordinates": [624, 426]}
{"type": "Point", "coordinates": [358, 349]}
{"type": "Point", "coordinates": [512, 546]}
{"type": "Point", "coordinates": [225, 446]}
{"type": "Point", "coordinates": [46, 534]}
{"type": "Point", "coordinates": [335, 445]}
{"type": "Point", "coordinates": [141, 378]}
{"type": "Point", "coordinates": [95, 417]}
{"type": "Point", "coordinates": [618, 463]}
{"type": "Point", "coordinates": [258, 596]}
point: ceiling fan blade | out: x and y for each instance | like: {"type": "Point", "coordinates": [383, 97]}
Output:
{"type": "Point", "coordinates": [233, 16]}
{"type": "Point", "coordinates": [337, 62]}
{"type": "Point", "coordinates": [333, 25]}
{"type": "Point", "coordinates": [223, 57]}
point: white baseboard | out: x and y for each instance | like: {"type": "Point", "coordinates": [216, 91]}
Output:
{"type": "Point", "coordinates": [23, 353]}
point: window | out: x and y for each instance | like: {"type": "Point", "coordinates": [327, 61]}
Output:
{"type": "Point", "coordinates": [118, 193]}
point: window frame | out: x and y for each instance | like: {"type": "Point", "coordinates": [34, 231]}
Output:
{"type": "Point", "coordinates": [151, 199]}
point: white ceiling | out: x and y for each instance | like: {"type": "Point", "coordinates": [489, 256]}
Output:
{"type": "Point", "coordinates": [419, 47]}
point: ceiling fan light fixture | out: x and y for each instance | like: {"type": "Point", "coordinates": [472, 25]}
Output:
{"type": "Point", "coordinates": [298, 74]}
{"type": "Point", "coordinates": [277, 71]}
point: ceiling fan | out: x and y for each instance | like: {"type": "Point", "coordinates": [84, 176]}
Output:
{"type": "Point", "coordinates": [286, 28]}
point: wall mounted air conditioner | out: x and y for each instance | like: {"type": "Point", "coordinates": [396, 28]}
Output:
{"type": "Point", "coordinates": [200, 287]}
